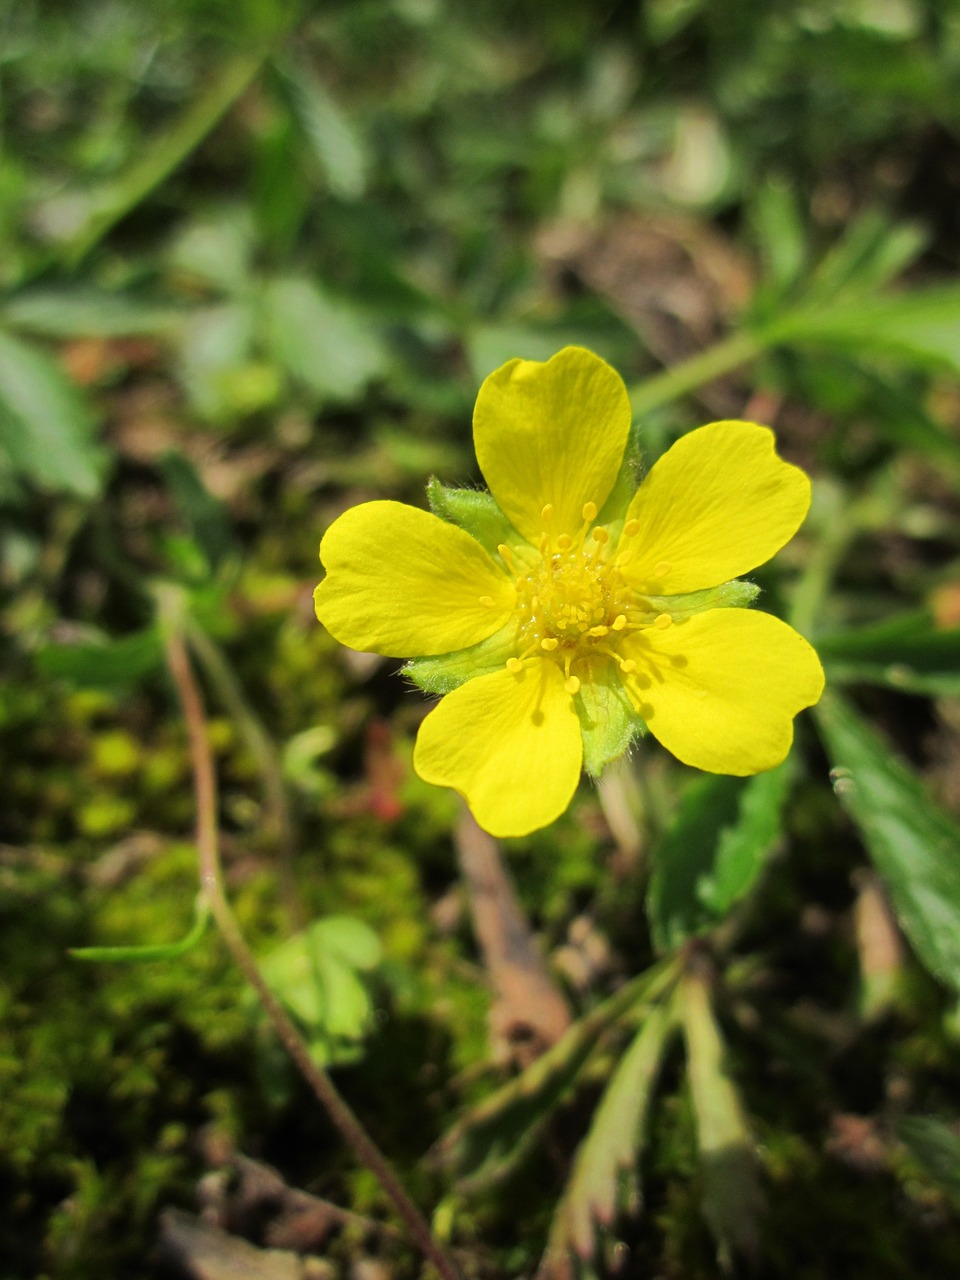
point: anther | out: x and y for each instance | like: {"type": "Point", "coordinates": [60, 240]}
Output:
{"type": "Point", "coordinates": [619, 622]}
{"type": "Point", "coordinates": [550, 643]}
{"type": "Point", "coordinates": [601, 536]}
{"type": "Point", "coordinates": [514, 666]}
{"type": "Point", "coordinates": [627, 666]}
{"type": "Point", "coordinates": [663, 620]}
{"type": "Point", "coordinates": [631, 528]}
{"type": "Point", "coordinates": [564, 542]}
{"type": "Point", "coordinates": [572, 685]}
{"type": "Point", "coordinates": [661, 569]}
{"type": "Point", "coordinates": [589, 511]}
{"type": "Point", "coordinates": [506, 555]}
{"type": "Point", "coordinates": [599, 631]}
{"type": "Point", "coordinates": [487, 601]}
{"type": "Point", "coordinates": [546, 515]}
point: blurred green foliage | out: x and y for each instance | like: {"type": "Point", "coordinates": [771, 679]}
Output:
{"type": "Point", "coordinates": [254, 260]}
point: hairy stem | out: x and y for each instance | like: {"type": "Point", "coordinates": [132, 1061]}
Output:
{"type": "Point", "coordinates": [211, 880]}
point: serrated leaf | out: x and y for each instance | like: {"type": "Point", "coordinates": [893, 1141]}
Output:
{"type": "Point", "coordinates": [337, 146]}
{"type": "Point", "coordinates": [493, 1137]}
{"type": "Point", "coordinates": [913, 844]}
{"type": "Point", "coordinates": [99, 662]}
{"type": "Point", "coordinates": [326, 343]}
{"type": "Point", "coordinates": [906, 652]}
{"type": "Point", "coordinates": [920, 328]}
{"type": "Point", "coordinates": [604, 1169]}
{"type": "Point", "coordinates": [153, 953]}
{"type": "Point", "coordinates": [712, 854]}
{"type": "Point", "coordinates": [46, 428]}
{"type": "Point", "coordinates": [732, 1199]}
{"type": "Point", "coordinates": [85, 312]}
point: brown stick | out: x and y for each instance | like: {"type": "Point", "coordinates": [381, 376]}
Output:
{"type": "Point", "coordinates": [527, 1000]}
{"type": "Point", "coordinates": [211, 880]}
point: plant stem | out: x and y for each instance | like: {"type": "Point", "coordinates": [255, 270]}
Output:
{"type": "Point", "coordinates": [279, 825]}
{"type": "Point", "coordinates": [739, 348]}
{"type": "Point", "coordinates": [211, 880]}
{"type": "Point", "coordinates": [163, 154]}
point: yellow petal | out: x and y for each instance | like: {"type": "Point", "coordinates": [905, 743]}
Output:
{"type": "Point", "coordinates": [402, 582]}
{"type": "Point", "coordinates": [718, 503]}
{"type": "Point", "coordinates": [551, 434]}
{"type": "Point", "coordinates": [510, 744]}
{"type": "Point", "coordinates": [720, 690]}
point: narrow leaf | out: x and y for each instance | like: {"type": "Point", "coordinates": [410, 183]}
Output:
{"type": "Point", "coordinates": [604, 1170]}
{"type": "Point", "coordinates": [98, 662]}
{"type": "Point", "coordinates": [149, 954]}
{"type": "Point", "coordinates": [907, 652]}
{"type": "Point", "coordinates": [710, 858]}
{"type": "Point", "coordinates": [493, 1137]}
{"type": "Point", "coordinates": [914, 845]}
{"type": "Point", "coordinates": [936, 1148]}
{"type": "Point", "coordinates": [46, 428]}
{"type": "Point", "coordinates": [732, 1199]}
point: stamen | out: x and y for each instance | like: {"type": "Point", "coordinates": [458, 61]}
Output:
{"type": "Point", "coordinates": [631, 528]}
{"type": "Point", "coordinates": [487, 601]}
{"type": "Point", "coordinates": [549, 643]}
{"type": "Point", "coordinates": [564, 542]}
{"type": "Point", "coordinates": [546, 515]}
{"type": "Point", "coordinates": [600, 630]}
{"type": "Point", "coordinates": [627, 666]}
{"type": "Point", "coordinates": [506, 555]}
{"type": "Point", "coordinates": [601, 536]}
{"type": "Point", "coordinates": [619, 622]}
{"type": "Point", "coordinates": [589, 511]}
{"type": "Point", "coordinates": [662, 621]}
{"type": "Point", "coordinates": [662, 569]}
{"type": "Point", "coordinates": [572, 685]}
{"type": "Point", "coordinates": [514, 666]}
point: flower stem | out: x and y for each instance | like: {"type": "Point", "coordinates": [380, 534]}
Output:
{"type": "Point", "coordinates": [278, 826]}
{"type": "Point", "coordinates": [739, 348]}
{"type": "Point", "coordinates": [211, 880]}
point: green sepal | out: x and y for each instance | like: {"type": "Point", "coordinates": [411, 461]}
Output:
{"type": "Point", "coordinates": [614, 509]}
{"type": "Point", "coordinates": [731, 595]}
{"type": "Point", "coordinates": [608, 721]}
{"type": "Point", "coordinates": [475, 511]}
{"type": "Point", "coordinates": [448, 671]}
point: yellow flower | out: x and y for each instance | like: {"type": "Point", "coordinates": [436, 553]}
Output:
{"type": "Point", "coordinates": [562, 613]}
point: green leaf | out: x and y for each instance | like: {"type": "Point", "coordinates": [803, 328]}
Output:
{"type": "Point", "coordinates": [205, 516]}
{"type": "Point", "coordinates": [324, 342]}
{"type": "Point", "coordinates": [99, 662]}
{"type": "Point", "coordinates": [493, 1137]}
{"type": "Point", "coordinates": [907, 652]}
{"type": "Point", "coordinates": [712, 854]}
{"type": "Point", "coordinates": [732, 1199]}
{"type": "Point", "coordinates": [317, 976]}
{"type": "Point", "coordinates": [914, 845]}
{"type": "Point", "coordinates": [150, 954]}
{"type": "Point", "coordinates": [604, 1171]}
{"type": "Point", "coordinates": [920, 328]}
{"type": "Point", "coordinates": [336, 144]}
{"type": "Point", "coordinates": [475, 511]}
{"type": "Point", "coordinates": [84, 312]}
{"type": "Point", "coordinates": [46, 429]}
{"type": "Point", "coordinates": [936, 1148]}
